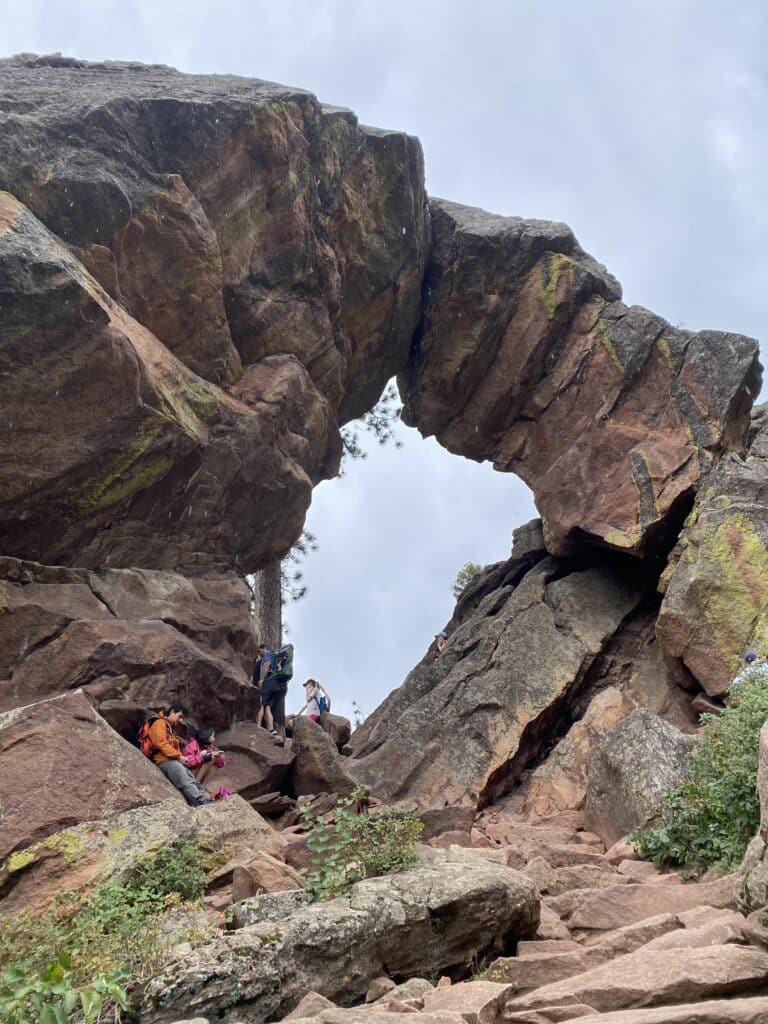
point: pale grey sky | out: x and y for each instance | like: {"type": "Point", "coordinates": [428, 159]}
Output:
{"type": "Point", "coordinates": [634, 122]}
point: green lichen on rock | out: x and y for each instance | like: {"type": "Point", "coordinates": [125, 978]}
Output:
{"type": "Point", "coordinates": [549, 284]}
{"type": "Point", "coordinates": [731, 578]}
{"type": "Point", "coordinates": [666, 351]}
{"type": "Point", "coordinates": [18, 861]}
{"type": "Point", "coordinates": [607, 343]}
{"type": "Point", "coordinates": [70, 844]}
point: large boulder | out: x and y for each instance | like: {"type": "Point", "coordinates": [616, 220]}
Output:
{"type": "Point", "coordinates": [237, 266]}
{"type": "Point", "coordinates": [256, 765]}
{"type": "Point", "coordinates": [61, 764]}
{"type": "Point", "coordinates": [630, 771]}
{"type": "Point", "coordinates": [526, 357]}
{"type": "Point", "coordinates": [632, 674]}
{"type": "Point", "coordinates": [716, 586]}
{"type": "Point", "coordinates": [132, 638]}
{"type": "Point", "coordinates": [465, 724]}
{"type": "Point", "coordinates": [318, 767]}
{"type": "Point", "coordinates": [427, 920]}
{"type": "Point", "coordinates": [79, 858]}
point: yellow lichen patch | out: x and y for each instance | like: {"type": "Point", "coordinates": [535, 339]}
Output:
{"type": "Point", "coordinates": [69, 844]}
{"type": "Point", "coordinates": [731, 578]}
{"type": "Point", "coordinates": [610, 348]}
{"type": "Point", "coordinates": [666, 351]}
{"type": "Point", "coordinates": [624, 539]}
{"type": "Point", "coordinates": [118, 836]}
{"type": "Point", "coordinates": [549, 285]}
{"type": "Point", "coordinates": [18, 861]}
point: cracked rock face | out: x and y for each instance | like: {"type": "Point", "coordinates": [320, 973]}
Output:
{"type": "Point", "coordinates": [525, 356]}
{"type": "Point", "coordinates": [229, 269]}
{"type": "Point", "coordinates": [716, 601]}
{"type": "Point", "coordinates": [464, 725]}
{"type": "Point", "coordinates": [132, 639]}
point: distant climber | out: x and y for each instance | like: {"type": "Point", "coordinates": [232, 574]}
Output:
{"type": "Point", "coordinates": [751, 661]}
{"type": "Point", "coordinates": [162, 745]}
{"type": "Point", "coordinates": [203, 757]}
{"type": "Point", "coordinates": [317, 700]}
{"type": "Point", "coordinates": [441, 639]}
{"type": "Point", "coordinates": [262, 670]}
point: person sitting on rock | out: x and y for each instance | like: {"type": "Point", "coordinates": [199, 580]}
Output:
{"type": "Point", "coordinates": [203, 757]}
{"type": "Point", "coordinates": [441, 639]}
{"type": "Point", "coordinates": [167, 755]}
{"type": "Point", "coordinates": [317, 700]}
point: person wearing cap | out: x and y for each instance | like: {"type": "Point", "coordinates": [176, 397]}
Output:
{"type": "Point", "coordinates": [314, 693]}
{"type": "Point", "coordinates": [441, 639]}
{"type": "Point", "coordinates": [751, 661]}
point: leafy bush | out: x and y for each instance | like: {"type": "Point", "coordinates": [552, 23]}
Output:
{"type": "Point", "coordinates": [50, 997]}
{"type": "Point", "coordinates": [357, 846]}
{"type": "Point", "coordinates": [77, 953]}
{"type": "Point", "coordinates": [464, 576]}
{"type": "Point", "coordinates": [709, 819]}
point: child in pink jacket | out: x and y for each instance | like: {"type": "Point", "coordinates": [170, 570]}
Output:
{"type": "Point", "coordinates": [203, 757]}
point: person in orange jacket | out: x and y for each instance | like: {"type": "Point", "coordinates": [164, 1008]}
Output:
{"type": "Point", "coordinates": [167, 755]}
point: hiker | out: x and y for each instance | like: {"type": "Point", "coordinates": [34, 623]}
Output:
{"type": "Point", "coordinates": [262, 670]}
{"type": "Point", "coordinates": [317, 700]}
{"type": "Point", "coordinates": [203, 757]}
{"type": "Point", "coordinates": [160, 743]}
{"type": "Point", "coordinates": [274, 687]}
{"type": "Point", "coordinates": [441, 639]}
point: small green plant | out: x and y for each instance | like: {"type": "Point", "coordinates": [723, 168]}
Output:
{"type": "Point", "coordinates": [50, 997]}
{"type": "Point", "coordinates": [75, 957]}
{"type": "Point", "coordinates": [357, 846]}
{"type": "Point", "coordinates": [709, 819]}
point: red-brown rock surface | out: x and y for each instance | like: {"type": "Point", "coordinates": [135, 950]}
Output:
{"type": "Point", "coordinates": [716, 586]}
{"type": "Point", "coordinates": [61, 764]}
{"type": "Point", "coordinates": [526, 357]}
{"type": "Point", "coordinates": [206, 231]}
{"type": "Point", "coordinates": [464, 725]}
{"type": "Point", "coordinates": [133, 639]}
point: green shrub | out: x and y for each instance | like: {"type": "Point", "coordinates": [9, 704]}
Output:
{"type": "Point", "coordinates": [709, 819]}
{"type": "Point", "coordinates": [86, 946]}
{"type": "Point", "coordinates": [357, 846]}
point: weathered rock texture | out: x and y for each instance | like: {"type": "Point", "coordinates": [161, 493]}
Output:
{"type": "Point", "coordinates": [525, 356]}
{"type": "Point", "coordinates": [61, 764]}
{"type": "Point", "coordinates": [529, 641]}
{"type": "Point", "coordinates": [228, 267]}
{"type": "Point", "coordinates": [429, 919]}
{"type": "Point", "coordinates": [133, 639]}
{"type": "Point", "coordinates": [629, 773]}
{"type": "Point", "coordinates": [716, 601]}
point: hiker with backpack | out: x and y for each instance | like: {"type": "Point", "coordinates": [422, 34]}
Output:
{"type": "Point", "coordinates": [275, 672]}
{"type": "Point", "coordinates": [203, 757]}
{"type": "Point", "coordinates": [159, 742]}
{"type": "Point", "coordinates": [317, 700]}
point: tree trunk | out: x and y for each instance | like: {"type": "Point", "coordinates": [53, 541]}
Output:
{"type": "Point", "coordinates": [268, 606]}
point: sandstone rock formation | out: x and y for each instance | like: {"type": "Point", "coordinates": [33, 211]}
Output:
{"type": "Point", "coordinates": [530, 648]}
{"type": "Point", "coordinates": [629, 773]}
{"type": "Point", "coordinates": [525, 356]}
{"type": "Point", "coordinates": [239, 266]}
{"type": "Point", "coordinates": [716, 601]}
{"type": "Point", "coordinates": [132, 639]}
{"type": "Point", "coordinates": [61, 764]}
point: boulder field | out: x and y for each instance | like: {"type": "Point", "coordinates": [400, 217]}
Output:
{"type": "Point", "coordinates": [202, 279]}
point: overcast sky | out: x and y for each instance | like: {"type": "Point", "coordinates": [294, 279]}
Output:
{"type": "Point", "coordinates": [634, 122]}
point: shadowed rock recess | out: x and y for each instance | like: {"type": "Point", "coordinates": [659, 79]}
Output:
{"type": "Point", "coordinates": [201, 279]}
